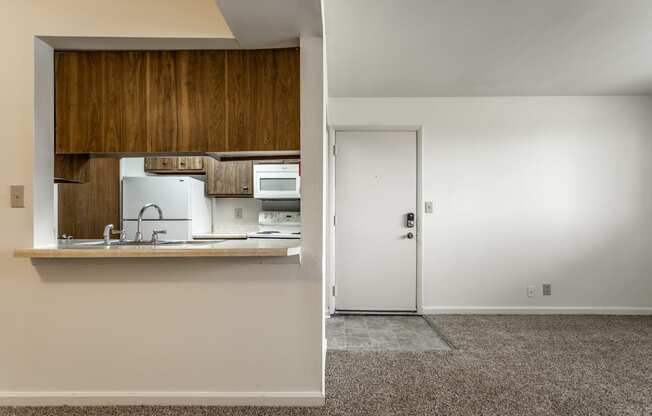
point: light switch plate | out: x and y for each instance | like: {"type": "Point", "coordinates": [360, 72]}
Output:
{"type": "Point", "coordinates": [428, 207]}
{"type": "Point", "coordinates": [17, 196]}
{"type": "Point", "coordinates": [237, 213]}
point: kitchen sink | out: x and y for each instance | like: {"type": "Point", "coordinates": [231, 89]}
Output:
{"type": "Point", "coordinates": [165, 243]}
{"type": "Point", "coordinates": [72, 244]}
{"type": "Point", "coordinates": [96, 243]}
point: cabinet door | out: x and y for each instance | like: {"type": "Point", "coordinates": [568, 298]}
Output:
{"type": "Point", "coordinates": [201, 99]}
{"type": "Point", "coordinates": [100, 102]}
{"type": "Point", "coordinates": [161, 164]}
{"type": "Point", "coordinates": [232, 178]}
{"type": "Point", "coordinates": [162, 131]}
{"type": "Point", "coordinates": [192, 164]}
{"type": "Point", "coordinates": [89, 102]}
{"type": "Point", "coordinates": [263, 100]}
{"type": "Point", "coordinates": [134, 111]}
{"type": "Point", "coordinates": [71, 168]}
{"type": "Point", "coordinates": [286, 117]}
{"type": "Point", "coordinates": [84, 209]}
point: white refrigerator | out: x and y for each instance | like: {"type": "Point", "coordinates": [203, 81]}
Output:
{"type": "Point", "coordinates": [186, 210]}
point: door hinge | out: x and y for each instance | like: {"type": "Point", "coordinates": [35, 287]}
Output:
{"type": "Point", "coordinates": [334, 291]}
{"type": "Point", "coordinates": [334, 220]}
{"type": "Point", "coordinates": [334, 150]}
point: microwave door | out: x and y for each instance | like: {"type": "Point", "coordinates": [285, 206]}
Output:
{"type": "Point", "coordinates": [277, 185]}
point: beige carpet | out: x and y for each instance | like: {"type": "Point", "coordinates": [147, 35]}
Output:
{"type": "Point", "coordinates": [503, 365]}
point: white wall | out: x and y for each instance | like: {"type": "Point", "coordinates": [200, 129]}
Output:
{"type": "Point", "coordinates": [526, 191]}
{"type": "Point", "coordinates": [313, 155]}
{"type": "Point", "coordinates": [164, 331]}
{"type": "Point", "coordinates": [132, 166]}
{"type": "Point", "coordinates": [224, 215]}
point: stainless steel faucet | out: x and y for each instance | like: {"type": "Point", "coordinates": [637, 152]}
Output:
{"type": "Point", "coordinates": [139, 233]}
{"type": "Point", "coordinates": [108, 231]}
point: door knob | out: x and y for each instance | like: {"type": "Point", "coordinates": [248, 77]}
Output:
{"type": "Point", "coordinates": [410, 235]}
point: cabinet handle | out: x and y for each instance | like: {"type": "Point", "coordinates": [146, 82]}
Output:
{"type": "Point", "coordinates": [245, 187]}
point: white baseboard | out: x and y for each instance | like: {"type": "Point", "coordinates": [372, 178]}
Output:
{"type": "Point", "coordinates": [536, 310]}
{"type": "Point", "coordinates": [160, 398]}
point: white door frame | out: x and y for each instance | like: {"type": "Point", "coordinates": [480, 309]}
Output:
{"type": "Point", "coordinates": [330, 229]}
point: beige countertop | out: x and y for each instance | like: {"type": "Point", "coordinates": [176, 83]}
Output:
{"type": "Point", "coordinates": [220, 235]}
{"type": "Point", "coordinates": [227, 231]}
{"type": "Point", "coordinates": [225, 248]}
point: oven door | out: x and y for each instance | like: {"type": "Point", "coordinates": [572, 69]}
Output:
{"type": "Point", "coordinates": [276, 184]}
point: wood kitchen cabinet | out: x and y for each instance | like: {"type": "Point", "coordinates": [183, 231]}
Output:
{"type": "Point", "coordinates": [201, 100]}
{"type": "Point", "coordinates": [186, 101]}
{"type": "Point", "coordinates": [229, 179]}
{"type": "Point", "coordinates": [161, 115]}
{"type": "Point", "coordinates": [177, 101]}
{"type": "Point", "coordinates": [71, 168]}
{"type": "Point", "coordinates": [191, 164]}
{"type": "Point", "coordinates": [100, 102]}
{"type": "Point", "coordinates": [263, 100]}
{"type": "Point", "coordinates": [183, 165]}
{"type": "Point", "coordinates": [140, 102]}
{"type": "Point", "coordinates": [84, 209]}
{"type": "Point", "coordinates": [161, 164]}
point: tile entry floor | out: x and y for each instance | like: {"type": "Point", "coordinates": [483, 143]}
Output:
{"type": "Point", "coordinates": [382, 333]}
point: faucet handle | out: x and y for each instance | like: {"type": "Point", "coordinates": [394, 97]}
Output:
{"type": "Point", "coordinates": [155, 234]}
{"type": "Point", "coordinates": [123, 234]}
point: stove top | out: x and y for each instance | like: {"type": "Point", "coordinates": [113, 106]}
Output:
{"type": "Point", "coordinates": [278, 224]}
{"type": "Point", "coordinates": [275, 234]}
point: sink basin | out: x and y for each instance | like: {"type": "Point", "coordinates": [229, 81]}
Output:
{"type": "Point", "coordinates": [100, 243]}
{"type": "Point", "coordinates": [165, 243]}
{"type": "Point", "coordinates": [72, 244]}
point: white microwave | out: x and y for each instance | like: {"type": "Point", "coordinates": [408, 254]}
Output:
{"type": "Point", "coordinates": [276, 181]}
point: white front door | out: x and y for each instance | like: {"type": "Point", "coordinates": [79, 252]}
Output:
{"type": "Point", "coordinates": [375, 190]}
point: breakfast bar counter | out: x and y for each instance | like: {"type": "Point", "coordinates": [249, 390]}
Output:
{"type": "Point", "coordinates": [223, 248]}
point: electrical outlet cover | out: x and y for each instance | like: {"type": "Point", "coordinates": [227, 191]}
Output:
{"type": "Point", "coordinates": [531, 291]}
{"type": "Point", "coordinates": [546, 289]}
{"type": "Point", "coordinates": [17, 193]}
{"type": "Point", "coordinates": [237, 213]}
{"type": "Point", "coordinates": [428, 207]}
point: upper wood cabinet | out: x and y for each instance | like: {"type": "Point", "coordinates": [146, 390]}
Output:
{"type": "Point", "coordinates": [263, 100]}
{"type": "Point", "coordinates": [161, 114]}
{"type": "Point", "coordinates": [229, 179]}
{"type": "Point", "coordinates": [191, 164]}
{"type": "Point", "coordinates": [177, 101]}
{"type": "Point", "coordinates": [201, 100]}
{"type": "Point", "coordinates": [186, 165]}
{"type": "Point", "coordinates": [100, 102]}
{"type": "Point", "coordinates": [161, 164]}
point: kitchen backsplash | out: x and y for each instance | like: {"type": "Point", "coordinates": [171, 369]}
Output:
{"type": "Point", "coordinates": [234, 215]}
{"type": "Point", "coordinates": [227, 210]}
